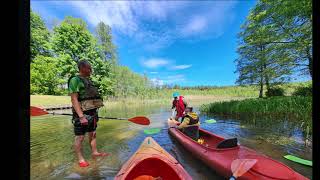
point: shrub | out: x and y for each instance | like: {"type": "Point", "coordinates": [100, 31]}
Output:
{"type": "Point", "coordinates": [303, 91]}
{"type": "Point", "coordinates": [276, 91]}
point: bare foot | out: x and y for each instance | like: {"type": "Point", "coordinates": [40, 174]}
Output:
{"type": "Point", "coordinates": [100, 154]}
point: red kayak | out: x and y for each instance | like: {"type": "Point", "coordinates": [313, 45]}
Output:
{"type": "Point", "coordinates": [218, 153]}
{"type": "Point", "coordinates": [152, 162]}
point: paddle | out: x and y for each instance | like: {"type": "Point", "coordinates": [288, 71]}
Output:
{"type": "Point", "coordinates": [152, 131]}
{"type": "Point", "coordinates": [298, 160]}
{"type": "Point", "coordinates": [157, 130]}
{"type": "Point", "coordinates": [210, 121]}
{"type": "Point", "coordinates": [241, 166]}
{"type": "Point", "coordinates": [35, 111]}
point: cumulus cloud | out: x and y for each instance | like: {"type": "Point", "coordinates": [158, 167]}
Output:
{"type": "Point", "coordinates": [158, 24]}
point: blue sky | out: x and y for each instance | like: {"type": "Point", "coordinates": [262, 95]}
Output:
{"type": "Point", "coordinates": [188, 43]}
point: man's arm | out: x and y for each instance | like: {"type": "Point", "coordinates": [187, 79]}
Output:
{"type": "Point", "coordinates": [184, 123]}
{"type": "Point", "coordinates": [73, 91]}
{"type": "Point", "coordinates": [76, 104]}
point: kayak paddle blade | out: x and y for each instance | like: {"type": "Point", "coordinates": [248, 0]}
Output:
{"type": "Point", "coordinates": [298, 160]}
{"type": "Point", "coordinates": [210, 121]}
{"type": "Point", "coordinates": [152, 131]}
{"type": "Point", "coordinates": [35, 111]}
{"type": "Point", "coordinates": [241, 166]}
{"type": "Point", "coordinates": [140, 120]}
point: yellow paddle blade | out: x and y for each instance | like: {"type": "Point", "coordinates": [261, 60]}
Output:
{"type": "Point", "coordinates": [241, 166]}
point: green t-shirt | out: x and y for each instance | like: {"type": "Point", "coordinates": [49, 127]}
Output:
{"type": "Point", "coordinates": [76, 86]}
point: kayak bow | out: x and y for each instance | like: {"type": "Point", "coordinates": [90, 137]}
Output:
{"type": "Point", "coordinates": [151, 161]}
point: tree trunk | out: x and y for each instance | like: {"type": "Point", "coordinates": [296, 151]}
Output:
{"type": "Point", "coordinates": [310, 65]}
{"type": "Point", "coordinates": [261, 75]}
{"type": "Point", "coordinates": [261, 83]}
{"type": "Point", "coordinates": [261, 88]}
{"type": "Point", "coordinates": [266, 78]}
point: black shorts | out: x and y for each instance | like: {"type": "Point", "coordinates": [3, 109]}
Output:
{"type": "Point", "coordinates": [92, 117]}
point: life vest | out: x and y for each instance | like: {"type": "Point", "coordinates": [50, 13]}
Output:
{"type": "Point", "coordinates": [191, 131]}
{"type": "Point", "coordinates": [193, 117]}
{"type": "Point", "coordinates": [180, 107]}
{"type": "Point", "coordinates": [91, 99]}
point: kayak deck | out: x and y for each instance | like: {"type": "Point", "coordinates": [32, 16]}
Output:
{"type": "Point", "coordinates": [153, 167]}
{"type": "Point", "coordinates": [151, 160]}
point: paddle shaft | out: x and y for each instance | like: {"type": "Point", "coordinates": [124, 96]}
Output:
{"type": "Point", "coordinates": [99, 117]}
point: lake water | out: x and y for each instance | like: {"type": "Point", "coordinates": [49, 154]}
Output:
{"type": "Point", "coordinates": [53, 157]}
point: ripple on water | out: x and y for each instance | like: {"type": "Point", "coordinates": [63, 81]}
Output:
{"type": "Point", "coordinates": [52, 156]}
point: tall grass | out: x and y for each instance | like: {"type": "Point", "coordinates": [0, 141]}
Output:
{"type": "Point", "coordinates": [292, 108]}
{"type": "Point", "coordinates": [193, 94]}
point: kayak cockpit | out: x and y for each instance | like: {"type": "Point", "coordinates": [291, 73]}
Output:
{"type": "Point", "coordinates": [152, 168]}
{"type": "Point", "coordinates": [216, 142]}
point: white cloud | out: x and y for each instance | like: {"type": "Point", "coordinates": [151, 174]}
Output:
{"type": "Point", "coordinates": [195, 25]}
{"type": "Point", "coordinates": [157, 82]}
{"type": "Point", "coordinates": [157, 24]}
{"type": "Point", "coordinates": [184, 66]}
{"type": "Point", "coordinates": [117, 14]}
{"type": "Point", "coordinates": [155, 62]}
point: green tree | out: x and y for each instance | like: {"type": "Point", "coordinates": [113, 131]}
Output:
{"type": "Point", "coordinates": [289, 27]}
{"type": "Point", "coordinates": [43, 76]}
{"type": "Point", "coordinates": [73, 42]}
{"type": "Point", "coordinates": [271, 43]}
{"type": "Point", "coordinates": [104, 36]}
{"type": "Point", "coordinates": [39, 37]}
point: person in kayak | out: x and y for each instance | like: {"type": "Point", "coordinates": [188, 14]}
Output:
{"type": "Point", "coordinates": [190, 124]}
{"type": "Point", "coordinates": [86, 101]}
{"type": "Point", "coordinates": [178, 105]}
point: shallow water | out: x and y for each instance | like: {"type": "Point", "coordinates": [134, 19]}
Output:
{"type": "Point", "coordinates": [52, 155]}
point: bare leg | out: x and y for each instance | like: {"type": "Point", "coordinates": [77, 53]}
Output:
{"type": "Point", "coordinates": [77, 146]}
{"type": "Point", "coordinates": [93, 142]}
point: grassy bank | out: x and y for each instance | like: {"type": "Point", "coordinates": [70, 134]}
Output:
{"type": "Point", "coordinates": [292, 108]}
{"type": "Point", "coordinates": [195, 96]}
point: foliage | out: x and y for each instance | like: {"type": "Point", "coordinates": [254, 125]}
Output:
{"type": "Point", "coordinates": [107, 48]}
{"type": "Point", "coordinates": [43, 76]}
{"type": "Point", "coordinates": [294, 108]}
{"type": "Point", "coordinates": [275, 42]}
{"type": "Point", "coordinates": [39, 41]}
{"type": "Point", "coordinates": [275, 91]}
{"type": "Point", "coordinates": [303, 91]}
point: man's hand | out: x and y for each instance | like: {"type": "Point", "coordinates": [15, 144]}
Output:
{"type": "Point", "coordinates": [83, 121]}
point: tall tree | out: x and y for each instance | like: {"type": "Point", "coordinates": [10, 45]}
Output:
{"type": "Point", "coordinates": [73, 42]}
{"type": "Point", "coordinates": [39, 38]}
{"type": "Point", "coordinates": [104, 36]}
{"type": "Point", "coordinates": [274, 42]}
{"type": "Point", "coordinates": [289, 23]}
{"type": "Point", "coordinates": [43, 76]}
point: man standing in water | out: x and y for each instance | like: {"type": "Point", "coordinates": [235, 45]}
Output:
{"type": "Point", "coordinates": [86, 101]}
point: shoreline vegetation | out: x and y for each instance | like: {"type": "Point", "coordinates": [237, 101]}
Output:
{"type": "Point", "coordinates": [293, 108]}
{"type": "Point", "coordinates": [232, 101]}
{"type": "Point", "coordinates": [196, 95]}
